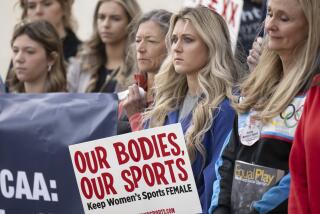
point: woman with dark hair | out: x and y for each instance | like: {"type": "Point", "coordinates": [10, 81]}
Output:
{"type": "Point", "coordinates": [104, 63]}
{"type": "Point", "coordinates": [38, 65]}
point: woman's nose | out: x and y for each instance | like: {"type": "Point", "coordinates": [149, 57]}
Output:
{"type": "Point", "coordinates": [18, 57]}
{"type": "Point", "coordinates": [177, 46]}
{"type": "Point", "coordinates": [270, 24]}
{"type": "Point", "coordinates": [141, 46]}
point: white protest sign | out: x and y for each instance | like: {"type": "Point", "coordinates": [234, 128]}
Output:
{"type": "Point", "coordinates": [140, 172]}
{"type": "Point", "coordinates": [230, 10]}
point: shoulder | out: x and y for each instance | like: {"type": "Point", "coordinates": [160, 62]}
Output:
{"type": "Point", "coordinates": [224, 114]}
{"type": "Point", "coordinates": [77, 78]}
{"type": "Point", "coordinates": [74, 65]}
{"type": "Point", "coordinates": [71, 38]}
{"type": "Point", "coordinates": [78, 64]}
{"type": "Point", "coordinates": [225, 107]}
{"type": "Point", "coordinates": [313, 95]}
{"type": "Point", "coordinates": [316, 81]}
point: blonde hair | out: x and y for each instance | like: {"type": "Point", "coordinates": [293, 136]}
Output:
{"type": "Point", "coordinates": [66, 5]}
{"type": "Point", "coordinates": [45, 34]}
{"type": "Point", "coordinates": [215, 79]}
{"type": "Point", "coordinates": [266, 89]}
{"type": "Point", "coordinates": [93, 54]}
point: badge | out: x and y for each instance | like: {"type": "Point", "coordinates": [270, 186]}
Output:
{"type": "Point", "coordinates": [249, 135]}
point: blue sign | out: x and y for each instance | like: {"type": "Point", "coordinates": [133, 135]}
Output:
{"type": "Point", "coordinates": [36, 174]}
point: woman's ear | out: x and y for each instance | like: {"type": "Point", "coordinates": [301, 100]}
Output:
{"type": "Point", "coordinates": [52, 58]}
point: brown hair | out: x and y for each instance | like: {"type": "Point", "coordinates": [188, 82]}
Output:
{"type": "Point", "coordinates": [45, 34]}
{"type": "Point", "coordinates": [93, 54]}
{"type": "Point", "coordinates": [66, 5]}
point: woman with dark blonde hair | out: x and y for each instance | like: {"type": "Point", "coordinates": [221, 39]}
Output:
{"type": "Point", "coordinates": [38, 65]}
{"type": "Point", "coordinates": [194, 86]}
{"type": "Point", "coordinates": [104, 63]}
{"type": "Point", "coordinates": [59, 14]}
{"type": "Point", "coordinates": [270, 106]}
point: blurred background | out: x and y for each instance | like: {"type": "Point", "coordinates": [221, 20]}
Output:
{"type": "Point", "coordinates": [83, 11]}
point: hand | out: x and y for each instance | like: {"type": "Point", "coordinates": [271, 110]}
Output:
{"type": "Point", "coordinates": [254, 54]}
{"type": "Point", "coordinates": [134, 103]}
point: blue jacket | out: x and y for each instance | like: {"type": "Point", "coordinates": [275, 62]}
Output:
{"type": "Point", "coordinates": [213, 142]}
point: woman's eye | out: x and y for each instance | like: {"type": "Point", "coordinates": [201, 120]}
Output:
{"type": "Point", "coordinates": [47, 3]}
{"type": "Point", "coordinates": [31, 6]}
{"type": "Point", "coordinates": [30, 51]}
{"type": "Point", "coordinates": [101, 17]}
{"type": "Point", "coordinates": [115, 18]}
{"type": "Point", "coordinates": [152, 41]}
{"type": "Point", "coordinates": [187, 39]}
{"type": "Point", "coordinates": [284, 18]}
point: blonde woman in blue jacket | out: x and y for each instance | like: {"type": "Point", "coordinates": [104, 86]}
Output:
{"type": "Point", "coordinates": [193, 87]}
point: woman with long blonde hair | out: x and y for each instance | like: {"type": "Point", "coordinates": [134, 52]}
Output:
{"type": "Point", "coordinates": [104, 63]}
{"type": "Point", "coordinates": [270, 106]}
{"type": "Point", "coordinates": [194, 86]}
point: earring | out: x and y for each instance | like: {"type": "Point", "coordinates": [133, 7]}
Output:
{"type": "Point", "coordinates": [49, 68]}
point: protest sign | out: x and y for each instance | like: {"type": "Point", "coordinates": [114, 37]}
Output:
{"type": "Point", "coordinates": [230, 10]}
{"type": "Point", "coordinates": [141, 172]}
{"type": "Point", "coordinates": [36, 174]}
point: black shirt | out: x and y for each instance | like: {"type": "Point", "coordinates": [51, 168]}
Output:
{"type": "Point", "coordinates": [102, 85]}
{"type": "Point", "coordinates": [70, 44]}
